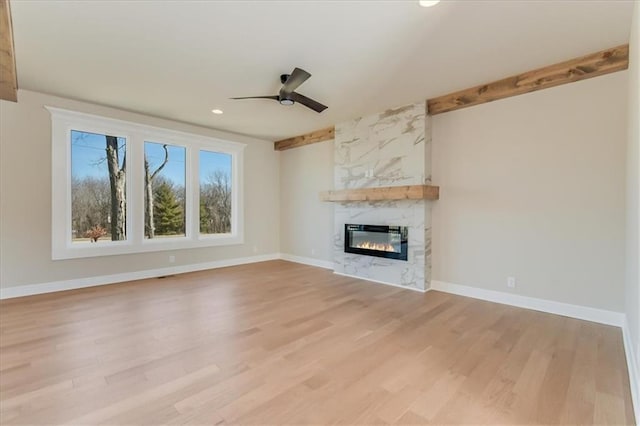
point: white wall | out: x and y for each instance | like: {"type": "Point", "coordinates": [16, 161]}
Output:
{"type": "Point", "coordinates": [533, 187]}
{"type": "Point", "coordinates": [25, 201]}
{"type": "Point", "coordinates": [306, 222]}
{"type": "Point", "coordinates": [632, 288]}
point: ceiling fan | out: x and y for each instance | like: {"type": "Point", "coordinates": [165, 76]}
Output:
{"type": "Point", "coordinates": [287, 94]}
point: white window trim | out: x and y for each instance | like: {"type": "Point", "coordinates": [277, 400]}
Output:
{"type": "Point", "coordinates": [63, 121]}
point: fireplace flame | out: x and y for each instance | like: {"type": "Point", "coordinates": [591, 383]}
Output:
{"type": "Point", "coordinates": [376, 246]}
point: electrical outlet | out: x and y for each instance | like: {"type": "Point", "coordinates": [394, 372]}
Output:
{"type": "Point", "coordinates": [255, 248]}
{"type": "Point", "coordinates": [172, 259]}
{"type": "Point", "coordinates": [511, 282]}
{"type": "Point", "coordinates": [313, 252]}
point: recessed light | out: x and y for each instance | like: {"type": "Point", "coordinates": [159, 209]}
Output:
{"type": "Point", "coordinates": [217, 111]}
{"type": "Point", "coordinates": [428, 3]}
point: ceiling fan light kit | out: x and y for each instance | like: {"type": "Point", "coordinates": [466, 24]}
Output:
{"type": "Point", "coordinates": [288, 96]}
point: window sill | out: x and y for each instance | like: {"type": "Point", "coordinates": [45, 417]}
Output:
{"type": "Point", "coordinates": [114, 248]}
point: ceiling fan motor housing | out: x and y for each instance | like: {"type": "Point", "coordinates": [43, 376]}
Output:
{"type": "Point", "coordinates": [287, 94]}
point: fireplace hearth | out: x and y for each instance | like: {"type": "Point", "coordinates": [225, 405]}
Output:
{"type": "Point", "coordinates": [376, 240]}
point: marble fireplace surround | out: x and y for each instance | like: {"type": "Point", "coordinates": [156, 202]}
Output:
{"type": "Point", "coordinates": [389, 149]}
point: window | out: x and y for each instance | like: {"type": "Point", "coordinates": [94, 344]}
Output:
{"type": "Point", "coordinates": [98, 165]}
{"type": "Point", "coordinates": [121, 187]}
{"type": "Point", "coordinates": [215, 193]}
{"type": "Point", "coordinates": [164, 190]}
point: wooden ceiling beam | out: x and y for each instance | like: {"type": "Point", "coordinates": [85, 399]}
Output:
{"type": "Point", "coordinates": [593, 65]}
{"type": "Point", "coordinates": [589, 66]}
{"type": "Point", "coordinates": [306, 139]}
{"type": "Point", "coordinates": [8, 74]}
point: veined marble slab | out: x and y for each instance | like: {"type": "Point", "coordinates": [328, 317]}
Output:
{"type": "Point", "coordinates": [388, 149]}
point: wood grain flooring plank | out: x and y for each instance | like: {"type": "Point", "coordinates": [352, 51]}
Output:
{"type": "Point", "coordinates": [283, 343]}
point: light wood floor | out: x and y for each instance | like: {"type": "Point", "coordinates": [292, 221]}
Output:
{"type": "Point", "coordinates": [277, 342]}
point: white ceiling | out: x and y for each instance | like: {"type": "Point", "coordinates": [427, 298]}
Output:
{"type": "Point", "coordinates": [180, 59]}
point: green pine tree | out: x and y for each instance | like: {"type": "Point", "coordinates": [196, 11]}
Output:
{"type": "Point", "coordinates": [205, 218]}
{"type": "Point", "coordinates": [167, 212]}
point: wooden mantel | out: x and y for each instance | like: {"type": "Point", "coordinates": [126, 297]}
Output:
{"type": "Point", "coordinates": [407, 192]}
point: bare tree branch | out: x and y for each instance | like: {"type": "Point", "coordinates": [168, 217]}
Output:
{"type": "Point", "coordinates": [149, 221]}
{"type": "Point", "coordinates": [164, 163]}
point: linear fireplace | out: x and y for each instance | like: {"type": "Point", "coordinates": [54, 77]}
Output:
{"type": "Point", "coordinates": [376, 240]}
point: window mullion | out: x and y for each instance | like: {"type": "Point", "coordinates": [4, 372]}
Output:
{"type": "Point", "coordinates": [135, 184]}
{"type": "Point", "coordinates": [193, 194]}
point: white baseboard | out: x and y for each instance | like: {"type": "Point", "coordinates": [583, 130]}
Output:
{"type": "Point", "coordinates": [307, 261]}
{"type": "Point", "coordinates": [50, 287]}
{"type": "Point", "coordinates": [381, 282]}
{"type": "Point", "coordinates": [632, 365]}
{"type": "Point", "coordinates": [574, 311]}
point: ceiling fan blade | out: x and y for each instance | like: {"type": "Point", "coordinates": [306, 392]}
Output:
{"type": "Point", "coordinates": [297, 77]}
{"type": "Point", "coordinates": [308, 102]}
{"type": "Point", "coordinates": [274, 97]}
